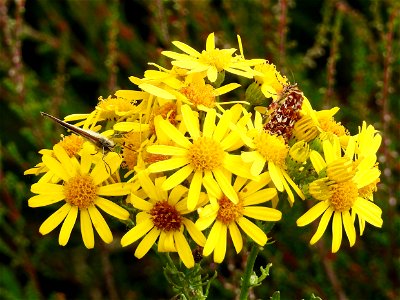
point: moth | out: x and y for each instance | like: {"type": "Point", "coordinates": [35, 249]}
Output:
{"type": "Point", "coordinates": [95, 138]}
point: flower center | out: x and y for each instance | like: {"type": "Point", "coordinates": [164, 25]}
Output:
{"type": "Point", "coordinates": [272, 148]}
{"type": "Point", "coordinates": [72, 144]}
{"type": "Point", "coordinates": [200, 93]}
{"type": "Point", "coordinates": [330, 125]}
{"type": "Point", "coordinates": [229, 212]}
{"type": "Point", "coordinates": [80, 191]}
{"type": "Point", "coordinates": [206, 154]}
{"type": "Point", "coordinates": [111, 106]}
{"type": "Point", "coordinates": [217, 58]}
{"type": "Point", "coordinates": [344, 196]}
{"type": "Point", "coordinates": [165, 217]}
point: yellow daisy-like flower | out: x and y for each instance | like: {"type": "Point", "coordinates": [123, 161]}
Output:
{"type": "Point", "coordinates": [271, 81]}
{"type": "Point", "coordinates": [271, 150]}
{"type": "Point", "coordinates": [162, 218]}
{"type": "Point", "coordinates": [73, 144]}
{"type": "Point", "coordinates": [82, 188]}
{"type": "Point", "coordinates": [338, 192]}
{"type": "Point", "coordinates": [118, 107]}
{"type": "Point", "coordinates": [207, 155]}
{"type": "Point", "coordinates": [224, 214]}
{"type": "Point", "coordinates": [368, 142]}
{"type": "Point", "coordinates": [212, 60]}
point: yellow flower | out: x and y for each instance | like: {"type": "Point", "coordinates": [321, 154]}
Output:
{"type": "Point", "coordinates": [271, 81]}
{"type": "Point", "coordinates": [162, 218]}
{"type": "Point", "coordinates": [73, 144]}
{"type": "Point", "coordinates": [338, 192]}
{"type": "Point", "coordinates": [115, 108]}
{"type": "Point", "coordinates": [271, 150]}
{"type": "Point", "coordinates": [212, 60]}
{"type": "Point", "coordinates": [81, 190]}
{"type": "Point", "coordinates": [227, 215]}
{"type": "Point", "coordinates": [368, 142]}
{"type": "Point", "coordinates": [207, 155]}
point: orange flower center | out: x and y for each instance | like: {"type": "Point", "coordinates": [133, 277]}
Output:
{"type": "Point", "coordinates": [80, 191]}
{"type": "Point", "coordinates": [229, 212]}
{"type": "Point", "coordinates": [344, 196]}
{"type": "Point", "coordinates": [206, 154]}
{"type": "Point", "coordinates": [165, 217]}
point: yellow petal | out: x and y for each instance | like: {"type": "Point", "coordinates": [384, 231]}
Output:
{"type": "Point", "coordinates": [212, 73]}
{"type": "Point", "coordinates": [147, 185]}
{"type": "Point", "coordinates": [336, 231]}
{"type": "Point", "coordinates": [209, 123]}
{"type": "Point", "coordinates": [139, 203]}
{"type": "Point", "coordinates": [176, 194]}
{"type": "Point", "coordinates": [317, 161]}
{"type": "Point", "coordinates": [168, 150]}
{"type": "Point", "coordinates": [44, 200]}
{"type": "Point", "coordinates": [210, 42]}
{"type": "Point", "coordinates": [191, 121]}
{"type": "Point", "coordinates": [112, 209]}
{"type": "Point", "coordinates": [236, 237]}
{"type": "Point", "coordinates": [259, 197]}
{"type": "Point", "coordinates": [236, 165]}
{"type": "Point", "coordinates": [195, 233]}
{"type": "Point", "coordinates": [213, 238]}
{"type": "Point", "coordinates": [156, 91]}
{"type": "Point", "coordinates": [194, 190]}
{"type": "Point", "coordinates": [262, 213]}
{"type": "Point", "coordinates": [100, 224]}
{"type": "Point", "coordinates": [223, 126]}
{"type": "Point", "coordinates": [115, 189]}
{"type": "Point", "coordinates": [66, 161]}
{"type": "Point", "coordinates": [55, 219]}
{"type": "Point", "coordinates": [220, 247]}
{"type": "Point", "coordinates": [166, 242]}
{"type": "Point", "coordinates": [136, 232]}
{"type": "Point", "coordinates": [313, 213]}
{"type": "Point", "coordinates": [86, 229]}
{"type": "Point", "coordinates": [172, 132]}
{"type": "Point", "coordinates": [276, 176]}
{"type": "Point", "coordinates": [204, 222]}
{"type": "Point", "coordinates": [146, 243]}
{"type": "Point", "coordinates": [178, 177]}
{"type": "Point", "coordinates": [55, 166]}
{"type": "Point", "coordinates": [67, 226]}
{"type": "Point", "coordinates": [349, 227]}
{"type": "Point", "coordinates": [225, 186]}
{"type": "Point", "coordinates": [186, 48]}
{"type": "Point", "coordinates": [168, 165]}
{"type": "Point", "coordinates": [322, 225]}
{"type": "Point", "coordinates": [368, 211]}
{"type": "Point", "coordinates": [253, 231]}
{"type": "Point", "coordinates": [184, 251]}
{"type": "Point", "coordinates": [226, 89]}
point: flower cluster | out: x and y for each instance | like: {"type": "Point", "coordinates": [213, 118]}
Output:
{"type": "Point", "coordinates": [196, 157]}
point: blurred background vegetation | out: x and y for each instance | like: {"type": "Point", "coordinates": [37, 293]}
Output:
{"type": "Point", "coordinates": [60, 56]}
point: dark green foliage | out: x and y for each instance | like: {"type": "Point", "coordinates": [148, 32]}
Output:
{"type": "Point", "coordinates": [60, 56]}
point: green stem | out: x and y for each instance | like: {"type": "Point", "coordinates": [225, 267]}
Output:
{"type": "Point", "coordinates": [248, 272]}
